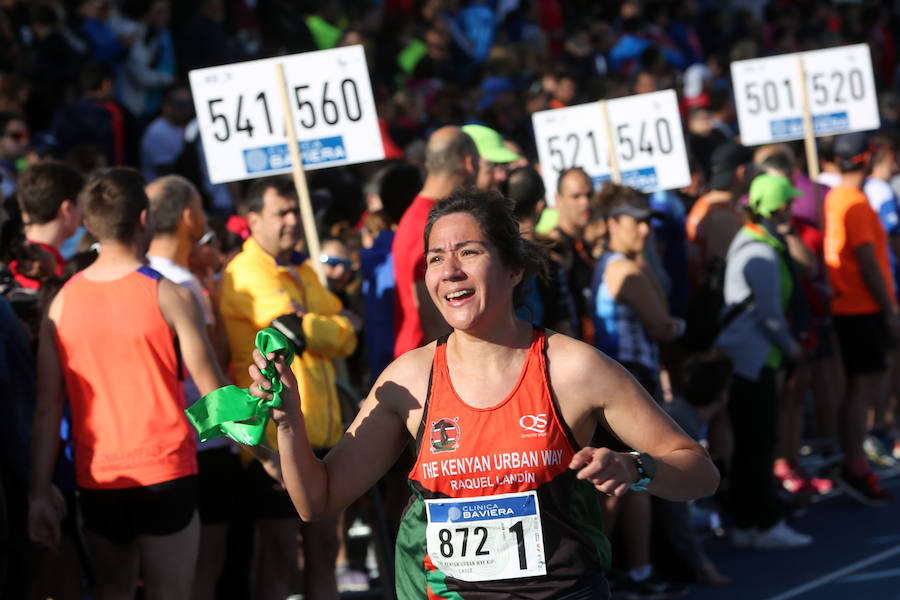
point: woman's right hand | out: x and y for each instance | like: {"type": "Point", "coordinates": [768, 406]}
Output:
{"type": "Point", "coordinates": [290, 396]}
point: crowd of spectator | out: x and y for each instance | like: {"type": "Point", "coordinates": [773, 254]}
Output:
{"type": "Point", "coordinates": [757, 306]}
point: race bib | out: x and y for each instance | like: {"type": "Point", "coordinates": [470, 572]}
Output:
{"type": "Point", "coordinates": [486, 538]}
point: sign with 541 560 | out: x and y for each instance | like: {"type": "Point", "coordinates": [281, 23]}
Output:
{"type": "Point", "coordinates": [840, 88]}
{"type": "Point", "coordinates": [646, 133]}
{"type": "Point", "coordinates": [239, 110]}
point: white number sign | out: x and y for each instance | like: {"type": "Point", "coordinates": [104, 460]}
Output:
{"type": "Point", "coordinates": [241, 120]}
{"type": "Point", "coordinates": [839, 84]}
{"type": "Point", "coordinates": [486, 538]}
{"type": "Point", "coordinates": [647, 135]}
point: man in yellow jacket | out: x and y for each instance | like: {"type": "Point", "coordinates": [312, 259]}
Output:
{"type": "Point", "coordinates": [270, 281]}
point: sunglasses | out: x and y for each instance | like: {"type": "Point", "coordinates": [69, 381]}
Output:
{"type": "Point", "coordinates": [19, 136]}
{"type": "Point", "coordinates": [208, 238]}
{"type": "Point", "coordinates": [333, 261]}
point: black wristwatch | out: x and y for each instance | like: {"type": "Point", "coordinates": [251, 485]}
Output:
{"type": "Point", "coordinates": [646, 468]}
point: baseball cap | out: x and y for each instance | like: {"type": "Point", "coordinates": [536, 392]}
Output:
{"type": "Point", "coordinates": [851, 149]}
{"type": "Point", "coordinates": [724, 162]}
{"type": "Point", "coordinates": [771, 193]}
{"type": "Point", "coordinates": [634, 205]}
{"type": "Point", "coordinates": [490, 144]}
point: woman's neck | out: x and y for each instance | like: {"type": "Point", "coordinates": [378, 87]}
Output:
{"type": "Point", "coordinates": [500, 339]}
{"type": "Point", "coordinates": [612, 246]}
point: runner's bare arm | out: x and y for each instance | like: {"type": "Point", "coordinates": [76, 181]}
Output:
{"type": "Point", "coordinates": [595, 389]}
{"type": "Point", "coordinates": [372, 443]}
{"type": "Point", "coordinates": [183, 314]}
{"type": "Point", "coordinates": [629, 285]}
{"type": "Point", "coordinates": [46, 505]}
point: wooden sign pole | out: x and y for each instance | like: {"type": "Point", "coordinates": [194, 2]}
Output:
{"type": "Point", "coordinates": [809, 133]}
{"type": "Point", "coordinates": [306, 212]}
{"type": "Point", "coordinates": [615, 174]}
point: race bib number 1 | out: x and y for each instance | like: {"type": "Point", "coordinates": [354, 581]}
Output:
{"type": "Point", "coordinates": [486, 538]}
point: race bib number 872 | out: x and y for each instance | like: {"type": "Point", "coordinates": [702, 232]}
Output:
{"type": "Point", "coordinates": [486, 538]}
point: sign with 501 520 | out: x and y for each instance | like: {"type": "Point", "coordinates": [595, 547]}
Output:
{"type": "Point", "coordinates": [840, 88]}
{"type": "Point", "coordinates": [239, 110]}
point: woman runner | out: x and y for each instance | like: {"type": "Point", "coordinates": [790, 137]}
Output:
{"type": "Point", "coordinates": [503, 502]}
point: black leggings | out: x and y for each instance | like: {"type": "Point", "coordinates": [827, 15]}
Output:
{"type": "Point", "coordinates": [754, 417]}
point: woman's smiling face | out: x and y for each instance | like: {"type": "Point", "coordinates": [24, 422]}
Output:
{"type": "Point", "coordinates": [464, 273]}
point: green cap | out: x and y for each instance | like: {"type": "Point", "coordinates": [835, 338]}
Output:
{"type": "Point", "coordinates": [410, 56]}
{"type": "Point", "coordinates": [770, 193]}
{"type": "Point", "coordinates": [324, 33]}
{"type": "Point", "coordinates": [490, 144]}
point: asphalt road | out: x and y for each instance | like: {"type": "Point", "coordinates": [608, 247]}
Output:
{"type": "Point", "coordinates": [855, 555]}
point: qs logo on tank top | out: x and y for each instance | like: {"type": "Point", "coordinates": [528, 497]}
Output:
{"type": "Point", "coordinates": [445, 435]}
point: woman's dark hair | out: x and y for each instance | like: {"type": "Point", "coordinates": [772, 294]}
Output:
{"type": "Point", "coordinates": [525, 188]}
{"type": "Point", "coordinates": [494, 215]}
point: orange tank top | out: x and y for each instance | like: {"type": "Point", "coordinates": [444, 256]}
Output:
{"type": "Point", "coordinates": [121, 370]}
{"type": "Point", "coordinates": [516, 445]}
{"type": "Point", "coordinates": [496, 512]}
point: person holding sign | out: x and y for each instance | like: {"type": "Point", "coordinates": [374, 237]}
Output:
{"type": "Point", "coordinates": [502, 413]}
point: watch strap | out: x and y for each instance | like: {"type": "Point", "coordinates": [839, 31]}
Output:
{"type": "Point", "coordinates": [644, 478]}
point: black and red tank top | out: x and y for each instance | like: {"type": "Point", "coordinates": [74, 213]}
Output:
{"type": "Point", "coordinates": [495, 511]}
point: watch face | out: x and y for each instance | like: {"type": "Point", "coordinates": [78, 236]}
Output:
{"type": "Point", "coordinates": [649, 464]}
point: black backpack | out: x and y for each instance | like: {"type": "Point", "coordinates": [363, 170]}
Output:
{"type": "Point", "coordinates": [702, 316]}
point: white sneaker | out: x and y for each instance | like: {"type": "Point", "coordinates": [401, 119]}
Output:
{"type": "Point", "coordinates": [877, 453]}
{"type": "Point", "coordinates": [744, 538]}
{"type": "Point", "coordinates": [781, 535]}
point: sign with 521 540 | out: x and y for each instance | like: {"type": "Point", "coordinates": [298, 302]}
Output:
{"type": "Point", "coordinates": [241, 120]}
{"type": "Point", "coordinates": [646, 132]}
{"type": "Point", "coordinates": [840, 87]}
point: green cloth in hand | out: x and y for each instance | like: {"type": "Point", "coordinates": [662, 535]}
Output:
{"type": "Point", "coordinates": [232, 411]}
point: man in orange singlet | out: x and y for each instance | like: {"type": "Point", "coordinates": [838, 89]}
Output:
{"type": "Point", "coordinates": [114, 343]}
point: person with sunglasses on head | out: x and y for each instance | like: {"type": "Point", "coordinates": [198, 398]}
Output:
{"type": "Point", "coordinates": [14, 136]}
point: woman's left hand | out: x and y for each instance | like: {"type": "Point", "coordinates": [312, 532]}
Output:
{"type": "Point", "coordinates": [610, 472]}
